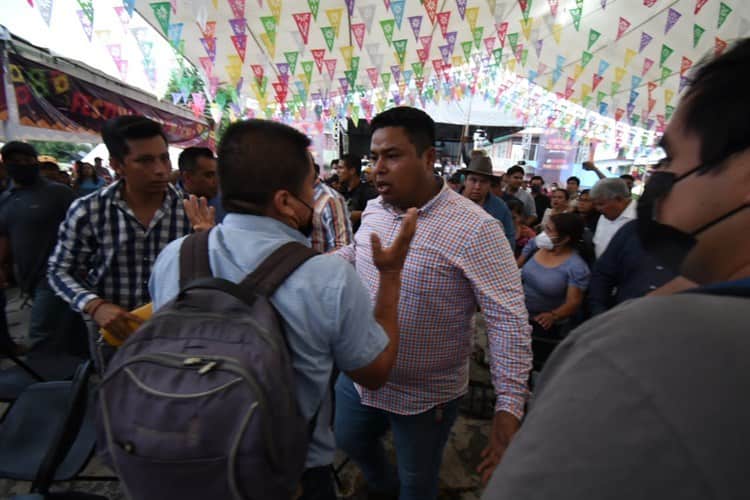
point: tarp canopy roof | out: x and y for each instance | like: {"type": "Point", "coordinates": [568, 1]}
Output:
{"type": "Point", "coordinates": [624, 59]}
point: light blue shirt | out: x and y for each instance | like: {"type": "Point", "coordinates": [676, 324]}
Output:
{"type": "Point", "coordinates": [326, 310]}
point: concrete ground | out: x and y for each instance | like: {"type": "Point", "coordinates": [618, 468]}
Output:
{"type": "Point", "coordinates": [458, 479]}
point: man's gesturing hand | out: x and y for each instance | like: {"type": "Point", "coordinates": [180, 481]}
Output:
{"type": "Point", "coordinates": [391, 259]}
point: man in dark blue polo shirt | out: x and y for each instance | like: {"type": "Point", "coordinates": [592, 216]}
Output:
{"type": "Point", "coordinates": [477, 189]}
{"type": "Point", "coordinates": [30, 214]}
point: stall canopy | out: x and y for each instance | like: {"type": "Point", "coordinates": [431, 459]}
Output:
{"type": "Point", "coordinates": [48, 97]}
{"type": "Point", "coordinates": [623, 59]}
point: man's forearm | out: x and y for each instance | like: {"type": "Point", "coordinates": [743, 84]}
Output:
{"type": "Point", "coordinates": [386, 309]}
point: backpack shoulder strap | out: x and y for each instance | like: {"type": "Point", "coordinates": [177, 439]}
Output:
{"type": "Point", "coordinates": [273, 271]}
{"type": "Point", "coordinates": [194, 263]}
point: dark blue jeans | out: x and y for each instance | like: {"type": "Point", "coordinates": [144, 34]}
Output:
{"type": "Point", "coordinates": [55, 323]}
{"type": "Point", "coordinates": [419, 441]}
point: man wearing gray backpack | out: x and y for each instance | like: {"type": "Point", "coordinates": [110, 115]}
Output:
{"type": "Point", "coordinates": [196, 403]}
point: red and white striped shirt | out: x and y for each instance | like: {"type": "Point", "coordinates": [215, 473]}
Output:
{"type": "Point", "coordinates": [459, 259]}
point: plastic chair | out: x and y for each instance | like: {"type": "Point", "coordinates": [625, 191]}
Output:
{"type": "Point", "coordinates": [48, 435]}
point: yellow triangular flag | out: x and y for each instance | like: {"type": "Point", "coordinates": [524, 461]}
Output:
{"type": "Point", "coordinates": [270, 45]}
{"type": "Point", "coordinates": [668, 95]}
{"type": "Point", "coordinates": [585, 90]}
{"type": "Point", "coordinates": [550, 85]}
{"type": "Point", "coordinates": [574, 100]}
{"type": "Point", "coordinates": [619, 74]}
{"type": "Point", "coordinates": [511, 64]}
{"type": "Point", "coordinates": [629, 55]}
{"type": "Point", "coordinates": [216, 4]}
{"type": "Point", "coordinates": [557, 32]}
{"type": "Point", "coordinates": [275, 6]}
{"type": "Point", "coordinates": [346, 52]}
{"type": "Point", "coordinates": [334, 17]}
{"type": "Point", "coordinates": [234, 69]}
{"type": "Point", "coordinates": [458, 61]}
{"type": "Point", "coordinates": [526, 27]}
{"type": "Point", "coordinates": [472, 14]}
{"type": "Point", "coordinates": [577, 71]}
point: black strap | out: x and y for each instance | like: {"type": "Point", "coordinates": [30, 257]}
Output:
{"type": "Point", "coordinates": [728, 291]}
{"type": "Point", "coordinates": [194, 263]}
{"type": "Point", "coordinates": [273, 271]}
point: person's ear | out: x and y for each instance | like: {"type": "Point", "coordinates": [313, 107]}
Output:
{"type": "Point", "coordinates": [430, 155]}
{"type": "Point", "coordinates": [116, 166]}
{"type": "Point", "coordinates": [282, 204]}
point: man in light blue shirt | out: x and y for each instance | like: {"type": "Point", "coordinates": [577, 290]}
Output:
{"type": "Point", "coordinates": [267, 180]}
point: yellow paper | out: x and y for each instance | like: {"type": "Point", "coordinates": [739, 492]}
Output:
{"type": "Point", "coordinates": [526, 27]}
{"type": "Point", "coordinates": [275, 6]}
{"type": "Point", "coordinates": [143, 312]}
{"type": "Point", "coordinates": [585, 90]}
{"type": "Point", "coordinates": [577, 71]}
{"type": "Point", "coordinates": [346, 52]}
{"type": "Point", "coordinates": [270, 45]}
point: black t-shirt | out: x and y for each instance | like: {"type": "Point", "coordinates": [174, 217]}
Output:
{"type": "Point", "coordinates": [30, 218]}
{"type": "Point", "coordinates": [357, 198]}
{"type": "Point", "coordinates": [542, 204]}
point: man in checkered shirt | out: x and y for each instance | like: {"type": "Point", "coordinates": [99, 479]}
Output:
{"type": "Point", "coordinates": [110, 239]}
{"type": "Point", "coordinates": [459, 259]}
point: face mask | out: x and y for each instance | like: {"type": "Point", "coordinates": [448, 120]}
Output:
{"type": "Point", "coordinates": [23, 175]}
{"type": "Point", "coordinates": [667, 244]}
{"type": "Point", "coordinates": [543, 241]}
{"type": "Point", "coordinates": [307, 228]}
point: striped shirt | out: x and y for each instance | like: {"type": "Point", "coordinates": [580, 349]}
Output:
{"type": "Point", "coordinates": [459, 259]}
{"type": "Point", "coordinates": [332, 228]}
{"type": "Point", "coordinates": [104, 251]}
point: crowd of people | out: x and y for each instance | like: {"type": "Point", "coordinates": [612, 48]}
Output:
{"type": "Point", "coordinates": [379, 323]}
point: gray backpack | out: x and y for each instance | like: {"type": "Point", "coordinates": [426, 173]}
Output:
{"type": "Point", "coordinates": [200, 402]}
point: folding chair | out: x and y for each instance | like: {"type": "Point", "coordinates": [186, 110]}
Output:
{"type": "Point", "coordinates": [48, 435]}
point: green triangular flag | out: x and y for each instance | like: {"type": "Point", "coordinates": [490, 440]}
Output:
{"type": "Point", "coordinates": [387, 26]}
{"type": "Point", "coordinates": [478, 32]}
{"type": "Point", "coordinates": [355, 64]}
{"type": "Point", "coordinates": [666, 51]}
{"type": "Point", "coordinates": [615, 88]}
{"type": "Point", "coordinates": [329, 34]}
{"type": "Point", "coordinates": [162, 12]}
{"type": "Point", "coordinates": [576, 13]}
{"type": "Point", "coordinates": [351, 77]}
{"type": "Point", "coordinates": [467, 50]}
{"type": "Point", "coordinates": [585, 101]}
{"type": "Point", "coordinates": [697, 34]}
{"type": "Point", "coordinates": [586, 58]}
{"type": "Point", "coordinates": [524, 56]}
{"type": "Point", "coordinates": [88, 8]}
{"type": "Point", "coordinates": [593, 37]}
{"type": "Point", "coordinates": [386, 78]}
{"type": "Point", "coordinates": [634, 118]}
{"type": "Point", "coordinates": [498, 55]}
{"type": "Point", "coordinates": [665, 72]}
{"type": "Point", "coordinates": [668, 112]}
{"type": "Point", "coordinates": [418, 68]}
{"type": "Point", "coordinates": [307, 67]}
{"type": "Point", "coordinates": [314, 6]}
{"type": "Point", "coordinates": [526, 11]}
{"type": "Point", "coordinates": [269, 24]}
{"type": "Point", "coordinates": [600, 96]}
{"type": "Point", "coordinates": [291, 60]}
{"type": "Point", "coordinates": [724, 11]}
{"type": "Point", "coordinates": [400, 47]}
{"type": "Point", "coordinates": [513, 39]}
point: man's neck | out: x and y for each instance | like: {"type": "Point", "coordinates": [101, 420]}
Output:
{"type": "Point", "coordinates": [513, 190]}
{"type": "Point", "coordinates": [433, 187]}
{"type": "Point", "coordinates": [142, 201]}
{"type": "Point", "coordinates": [353, 183]}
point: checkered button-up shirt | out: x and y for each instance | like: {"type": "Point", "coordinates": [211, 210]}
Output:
{"type": "Point", "coordinates": [459, 259]}
{"type": "Point", "coordinates": [104, 251]}
{"type": "Point", "coordinates": [331, 226]}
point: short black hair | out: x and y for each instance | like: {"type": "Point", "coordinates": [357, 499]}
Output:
{"type": "Point", "coordinates": [564, 191]}
{"type": "Point", "coordinates": [257, 158]}
{"type": "Point", "coordinates": [574, 179]}
{"type": "Point", "coordinates": [49, 165]}
{"type": "Point", "coordinates": [352, 161]}
{"type": "Point", "coordinates": [515, 206]}
{"type": "Point", "coordinates": [332, 179]}
{"type": "Point", "coordinates": [335, 161]}
{"type": "Point", "coordinates": [515, 169]}
{"type": "Point", "coordinates": [585, 191]}
{"type": "Point", "coordinates": [627, 177]}
{"type": "Point", "coordinates": [418, 126]}
{"type": "Point", "coordinates": [117, 131]}
{"type": "Point", "coordinates": [18, 148]}
{"type": "Point", "coordinates": [717, 103]}
{"type": "Point", "coordinates": [188, 160]}
{"type": "Point", "coordinates": [456, 178]}
{"type": "Point", "coordinates": [537, 178]}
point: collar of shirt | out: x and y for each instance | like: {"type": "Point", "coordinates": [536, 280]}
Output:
{"type": "Point", "coordinates": [114, 192]}
{"type": "Point", "coordinates": [259, 223]}
{"type": "Point", "coordinates": [629, 213]}
{"type": "Point", "coordinates": [424, 209]}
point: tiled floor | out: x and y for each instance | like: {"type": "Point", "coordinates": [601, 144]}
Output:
{"type": "Point", "coordinates": [458, 481]}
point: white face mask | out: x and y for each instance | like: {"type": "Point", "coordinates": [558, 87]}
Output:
{"type": "Point", "coordinates": [544, 241]}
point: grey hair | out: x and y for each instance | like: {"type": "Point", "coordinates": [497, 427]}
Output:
{"type": "Point", "coordinates": [609, 189]}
